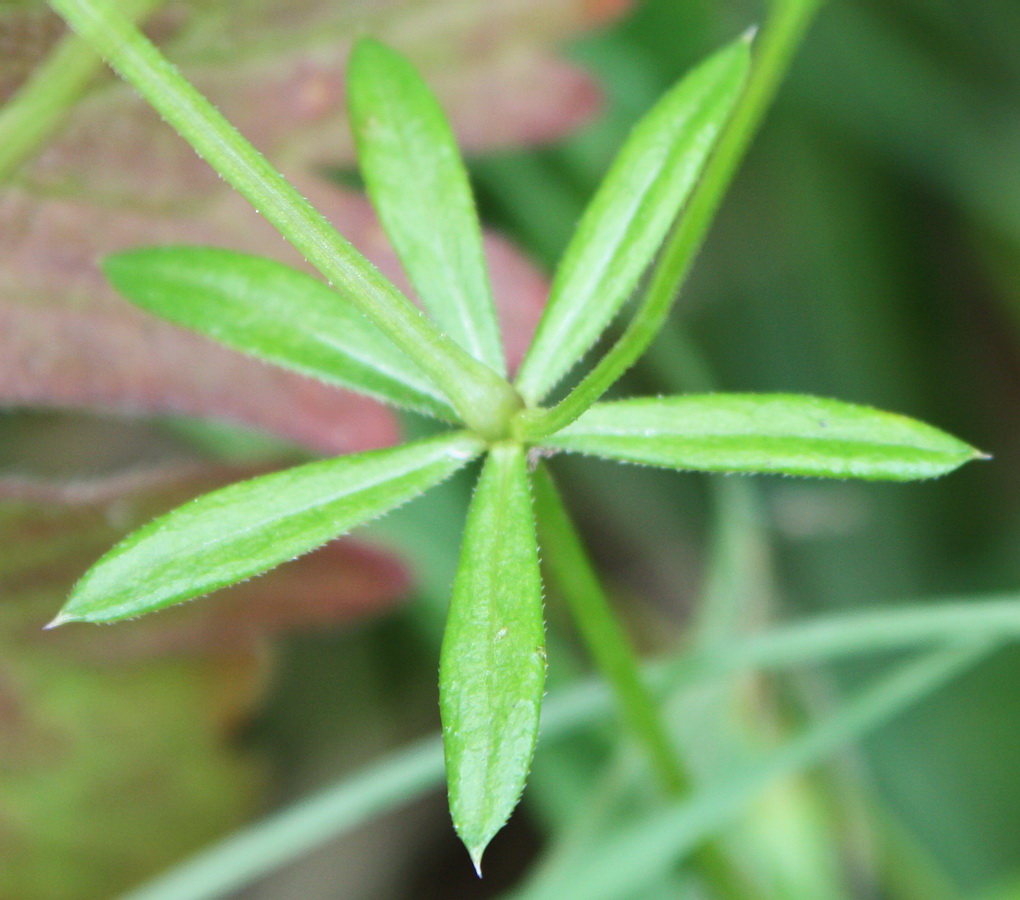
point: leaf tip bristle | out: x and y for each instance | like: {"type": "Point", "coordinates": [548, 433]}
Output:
{"type": "Point", "coordinates": [750, 34]}
{"type": "Point", "coordinates": [58, 620]}
{"type": "Point", "coordinates": [476, 857]}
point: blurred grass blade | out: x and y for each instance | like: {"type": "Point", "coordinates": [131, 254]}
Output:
{"type": "Point", "coordinates": [630, 215]}
{"type": "Point", "coordinates": [243, 858]}
{"type": "Point", "coordinates": [405, 774]}
{"type": "Point", "coordinates": [250, 527]}
{"type": "Point", "coordinates": [277, 313]}
{"type": "Point", "coordinates": [492, 667]}
{"type": "Point", "coordinates": [642, 852]}
{"type": "Point", "coordinates": [770, 433]}
{"type": "Point", "coordinates": [824, 639]}
{"type": "Point", "coordinates": [419, 186]}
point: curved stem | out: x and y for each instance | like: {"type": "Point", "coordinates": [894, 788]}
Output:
{"type": "Point", "coordinates": [484, 400]}
{"type": "Point", "coordinates": [783, 30]}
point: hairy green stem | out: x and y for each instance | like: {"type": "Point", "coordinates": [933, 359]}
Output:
{"type": "Point", "coordinates": [484, 400]}
{"type": "Point", "coordinates": [784, 27]}
{"type": "Point", "coordinates": [55, 85]}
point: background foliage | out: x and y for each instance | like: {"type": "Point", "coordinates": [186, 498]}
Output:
{"type": "Point", "coordinates": [870, 250]}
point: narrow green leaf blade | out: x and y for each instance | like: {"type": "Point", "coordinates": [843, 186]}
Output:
{"type": "Point", "coordinates": [492, 667]}
{"type": "Point", "coordinates": [419, 186]}
{"type": "Point", "coordinates": [277, 313]}
{"type": "Point", "coordinates": [630, 214]}
{"type": "Point", "coordinates": [250, 527]}
{"type": "Point", "coordinates": [782, 433]}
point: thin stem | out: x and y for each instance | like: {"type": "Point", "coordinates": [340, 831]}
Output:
{"type": "Point", "coordinates": [484, 400]}
{"type": "Point", "coordinates": [55, 85]}
{"type": "Point", "coordinates": [565, 558]}
{"type": "Point", "coordinates": [567, 561]}
{"type": "Point", "coordinates": [786, 23]}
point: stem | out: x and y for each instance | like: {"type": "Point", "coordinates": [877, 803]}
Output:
{"type": "Point", "coordinates": [784, 27]}
{"type": "Point", "coordinates": [568, 564]}
{"type": "Point", "coordinates": [564, 555]}
{"type": "Point", "coordinates": [55, 85]}
{"type": "Point", "coordinates": [484, 400]}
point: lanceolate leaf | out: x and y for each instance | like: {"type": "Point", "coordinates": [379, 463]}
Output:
{"type": "Point", "coordinates": [783, 433]}
{"type": "Point", "coordinates": [492, 668]}
{"type": "Point", "coordinates": [247, 528]}
{"type": "Point", "coordinates": [630, 215]}
{"type": "Point", "coordinates": [272, 311]}
{"type": "Point", "coordinates": [418, 184]}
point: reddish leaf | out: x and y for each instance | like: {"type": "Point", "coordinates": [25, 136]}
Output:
{"type": "Point", "coordinates": [491, 66]}
{"type": "Point", "coordinates": [68, 341]}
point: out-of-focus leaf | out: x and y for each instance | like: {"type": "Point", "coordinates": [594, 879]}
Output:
{"type": "Point", "coordinates": [272, 311]}
{"type": "Point", "coordinates": [67, 340]}
{"type": "Point", "coordinates": [27, 33]}
{"type": "Point", "coordinates": [780, 433]}
{"type": "Point", "coordinates": [276, 70]}
{"type": "Point", "coordinates": [492, 667]}
{"type": "Point", "coordinates": [250, 527]}
{"type": "Point", "coordinates": [630, 214]}
{"type": "Point", "coordinates": [86, 715]}
{"type": "Point", "coordinates": [82, 741]}
{"type": "Point", "coordinates": [416, 178]}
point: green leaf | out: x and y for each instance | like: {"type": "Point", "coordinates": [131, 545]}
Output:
{"type": "Point", "coordinates": [419, 186]}
{"type": "Point", "coordinates": [249, 527]}
{"type": "Point", "coordinates": [781, 433]}
{"type": "Point", "coordinates": [277, 313]}
{"type": "Point", "coordinates": [630, 214]}
{"type": "Point", "coordinates": [492, 667]}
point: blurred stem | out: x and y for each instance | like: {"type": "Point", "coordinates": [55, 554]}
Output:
{"type": "Point", "coordinates": [405, 774]}
{"type": "Point", "coordinates": [784, 27]}
{"type": "Point", "coordinates": [629, 860]}
{"type": "Point", "coordinates": [572, 572]}
{"type": "Point", "coordinates": [54, 86]}
{"type": "Point", "coordinates": [484, 400]}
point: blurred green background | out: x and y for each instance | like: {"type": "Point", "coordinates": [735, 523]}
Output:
{"type": "Point", "coordinates": [870, 251]}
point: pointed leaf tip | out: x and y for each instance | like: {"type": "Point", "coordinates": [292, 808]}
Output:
{"type": "Point", "coordinates": [58, 620]}
{"type": "Point", "coordinates": [476, 858]}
